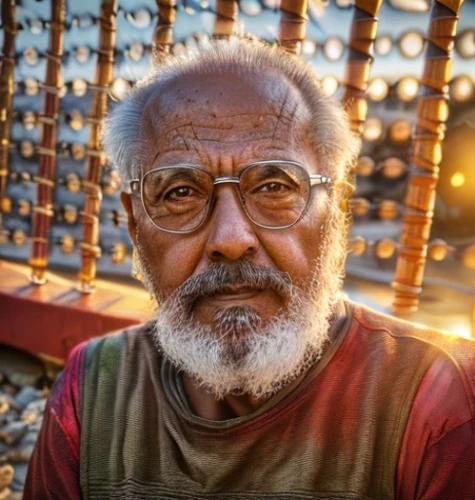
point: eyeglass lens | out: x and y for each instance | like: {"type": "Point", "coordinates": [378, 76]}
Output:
{"type": "Point", "coordinates": [273, 195]}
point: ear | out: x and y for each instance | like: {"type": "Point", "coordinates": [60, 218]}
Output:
{"type": "Point", "coordinates": [126, 200]}
{"type": "Point", "coordinates": [344, 190]}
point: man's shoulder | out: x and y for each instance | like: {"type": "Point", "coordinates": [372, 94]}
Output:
{"type": "Point", "coordinates": [116, 363]}
{"type": "Point", "coordinates": [450, 353]}
{"type": "Point", "coordinates": [119, 343]}
{"type": "Point", "coordinates": [397, 328]}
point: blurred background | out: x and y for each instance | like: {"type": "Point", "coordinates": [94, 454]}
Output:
{"type": "Point", "coordinates": [39, 324]}
{"type": "Point", "coordinates": [382, 172]}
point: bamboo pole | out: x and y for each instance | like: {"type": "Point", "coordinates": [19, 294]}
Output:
{"type": "Point", "coordinates": [363, 32]}
{"type": "Point", "coordinates": [90, 249]}
{"type": "Point", "coordinates": [293, 19]}
{"type": "Point", "coordinates": [6, 90]}
{"type": "Point", "coordinates": [45, 179]}
{"type": "Point", "coordinates": [432, 113]}
{"type": "Point", "coordinates": [362, 35]}
{"type": "Point", "coordinates": [163, 35]}
{"type": "Point", "coordinates": [226, 19]}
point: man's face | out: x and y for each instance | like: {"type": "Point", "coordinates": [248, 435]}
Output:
{"type": "Point", "coordinates": [222, 123]}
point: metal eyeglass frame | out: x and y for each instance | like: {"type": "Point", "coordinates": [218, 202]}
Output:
{"type": "Point", "coordinates": [314, 180]}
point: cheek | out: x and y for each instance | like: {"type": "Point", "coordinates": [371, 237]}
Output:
{"type": "Point", "coordinates": [171, 259]}
{"type": "Point", "coordinates": [297, 249]}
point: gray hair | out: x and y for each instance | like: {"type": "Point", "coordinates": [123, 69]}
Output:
{"type": "Point", "coordinates": [333, 140]}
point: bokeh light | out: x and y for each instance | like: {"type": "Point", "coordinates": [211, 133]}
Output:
{"type": "Point", "coordinates": [461, 88]}
{"type": "Point", "coordinates": [465, 44]}
{"type": "Point", "coordinates": [383, 45]}
{"type": "Point", "coordinates": [333, 48]}
{"type": "Point", "coordinates": [407, 88]}
{"type": "Point", "coordinates": [373, 129]}
{"type": "Point", "coordinates": [411, 44]}
{"type": "Point", "coordinates": [377, 89]}
{"type": "Point", "coordinates": [119, 88]}
{"type": "Point", "coordinates": [457, 179]}
{"type": "Point", "coordinates": [330, 85]}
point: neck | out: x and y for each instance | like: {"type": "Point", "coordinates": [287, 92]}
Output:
{"type": "Point", "coordinates": [205, 405]}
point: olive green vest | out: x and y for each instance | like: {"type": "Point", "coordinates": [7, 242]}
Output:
{"type": "Point", "coordinates": [336, 436]}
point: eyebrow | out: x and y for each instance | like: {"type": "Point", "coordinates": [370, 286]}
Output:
{"type": "Point", "coordinates": [155, 157]}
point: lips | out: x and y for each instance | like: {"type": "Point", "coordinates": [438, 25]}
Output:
{"type": "Point", "coordinates": [223, 286]}
{"type": "Point", "coordinates": [234, 296]}
{"type": "Point", "coordinates": [237, 289]}
{"type": "Point", "coordinates": [264, 301]}
{"type": "Point", "coordinates": [235, 292]}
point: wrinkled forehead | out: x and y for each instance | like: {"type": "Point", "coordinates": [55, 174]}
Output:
{"type": "Point", "coordinates": [222, 108]}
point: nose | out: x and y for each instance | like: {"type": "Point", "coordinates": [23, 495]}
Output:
{"type": "Point", "coordinates": [231, 235]}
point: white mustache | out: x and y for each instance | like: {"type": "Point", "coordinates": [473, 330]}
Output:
{"type": "Point", "coordinates": [229, 278]}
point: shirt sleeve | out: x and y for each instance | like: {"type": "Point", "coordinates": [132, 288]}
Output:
{"type": "Point", "coordinates": [53, 472]}
{"type": "Point", "coordinates": [437, 456]}
{"type": "Point", "coordinates": [448, 467]}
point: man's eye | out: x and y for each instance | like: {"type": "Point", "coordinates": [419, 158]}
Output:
{"type": "Point", "coordinates": [180, 192]}
{"type": "Point", "coordinates": [273, 187]}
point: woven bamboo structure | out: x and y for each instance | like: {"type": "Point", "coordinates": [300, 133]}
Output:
{"type": "Point", "coordinates": [226, 18]}
{"type": "Point", "coordinates": [429, 133]}
{"type": "Point", "coordinates": [90, 249]}
{"type": "Point", "coordinates": [46, 178]}
{"type": "Point", "coordinates": [362, 35]}
{"type": "Point", "coordinates": [292, 25]}
{"type": "Point", "coordinates": [163, 35]}
{"type": "Point", "coordinates": [363, 31]}
{"type": "Point", "coordinates": [432, 112]}
{"type": "Point", "coordinates": [6, 90]}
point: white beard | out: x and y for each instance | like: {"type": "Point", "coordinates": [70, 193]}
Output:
{"type": "Point", "coordinates": [240, 353]}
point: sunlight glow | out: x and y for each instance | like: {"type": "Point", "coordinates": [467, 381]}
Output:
{"type": "Point", "coordinates": [457, 179]}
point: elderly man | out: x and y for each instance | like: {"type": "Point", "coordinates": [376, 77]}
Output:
{"type": "Point", "coordinates": [255, 379]}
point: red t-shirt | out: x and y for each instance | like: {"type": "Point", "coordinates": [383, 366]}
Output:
{"type": "Point", "coordinates": [436, 459]}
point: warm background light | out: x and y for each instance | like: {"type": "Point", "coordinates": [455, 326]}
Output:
{"type": "Point", "coordinates": [119, 88]}
{"type": "Point", "coordinates": [136, 51]}
{"type": "Point", "coordinates": [82, 54]}
{"type": "Point", "coordinates": [462, 331]}
{"type": "Point", "coordinates": [79, 87]}
{"type": "Point", "coordinates": [400, 131]}
{"type": "Point", "coordinates": [393, 168]}
{"type": "Point", "coordinates": [457, 179]}
{"type": "Point", "coordinates": [373, 129]}
{"type": "Point", "coordinates": [461, 88]}
{"type": "Point", "coordinates": [383, 45]}
{"type": "Point", "coordinates": [333, 48]}
{"type": "Point", "coordinates": [465, 43]}
{"type": "Point", "coordinates": [411, 5]}
{"type": "Point", "coordinates": [411, 44]}
{"type": "Point", "coordinates": [141, 18]}
{"type": "Point", "coordinates": [365, 166]}
{"type": "Point", "coordinates": [250, 7]}
{"type": "Point", "coordinates": [330, 85]}
{"type": "Point", "coordinates": [377, 89]}
{"type": "Point", "coordinates": [407, 88]}
{"type": "Point", "coordinates": [455, 214]}
{"type": "Point", "coordinates": [309, 47]}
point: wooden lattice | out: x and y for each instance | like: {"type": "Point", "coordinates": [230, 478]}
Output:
{"type": "Point", "coordinates": [46, 178]}
{"type": "Point", "coordinates": [293, 21]}
{"type": "Point", "coordinates": [163, 35]}
{"type": "Point", "coordinates": [90, 249]}
{"type": "Point", "coordinates": [6, 90]}
{"type": "Point", "coordinates": [364, 26]}
{"type": "Point", "coordinates": [226, 18]}
{"type": "Point", "coordinates": [432, 112]}
{"type": "Point", "coordinates": [427, 139]}
{"type": "Point", "coordinates": [362, 35]}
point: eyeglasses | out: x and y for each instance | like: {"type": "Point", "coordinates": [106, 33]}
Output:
{"type": "Point", "coordinates": [274, 194]}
